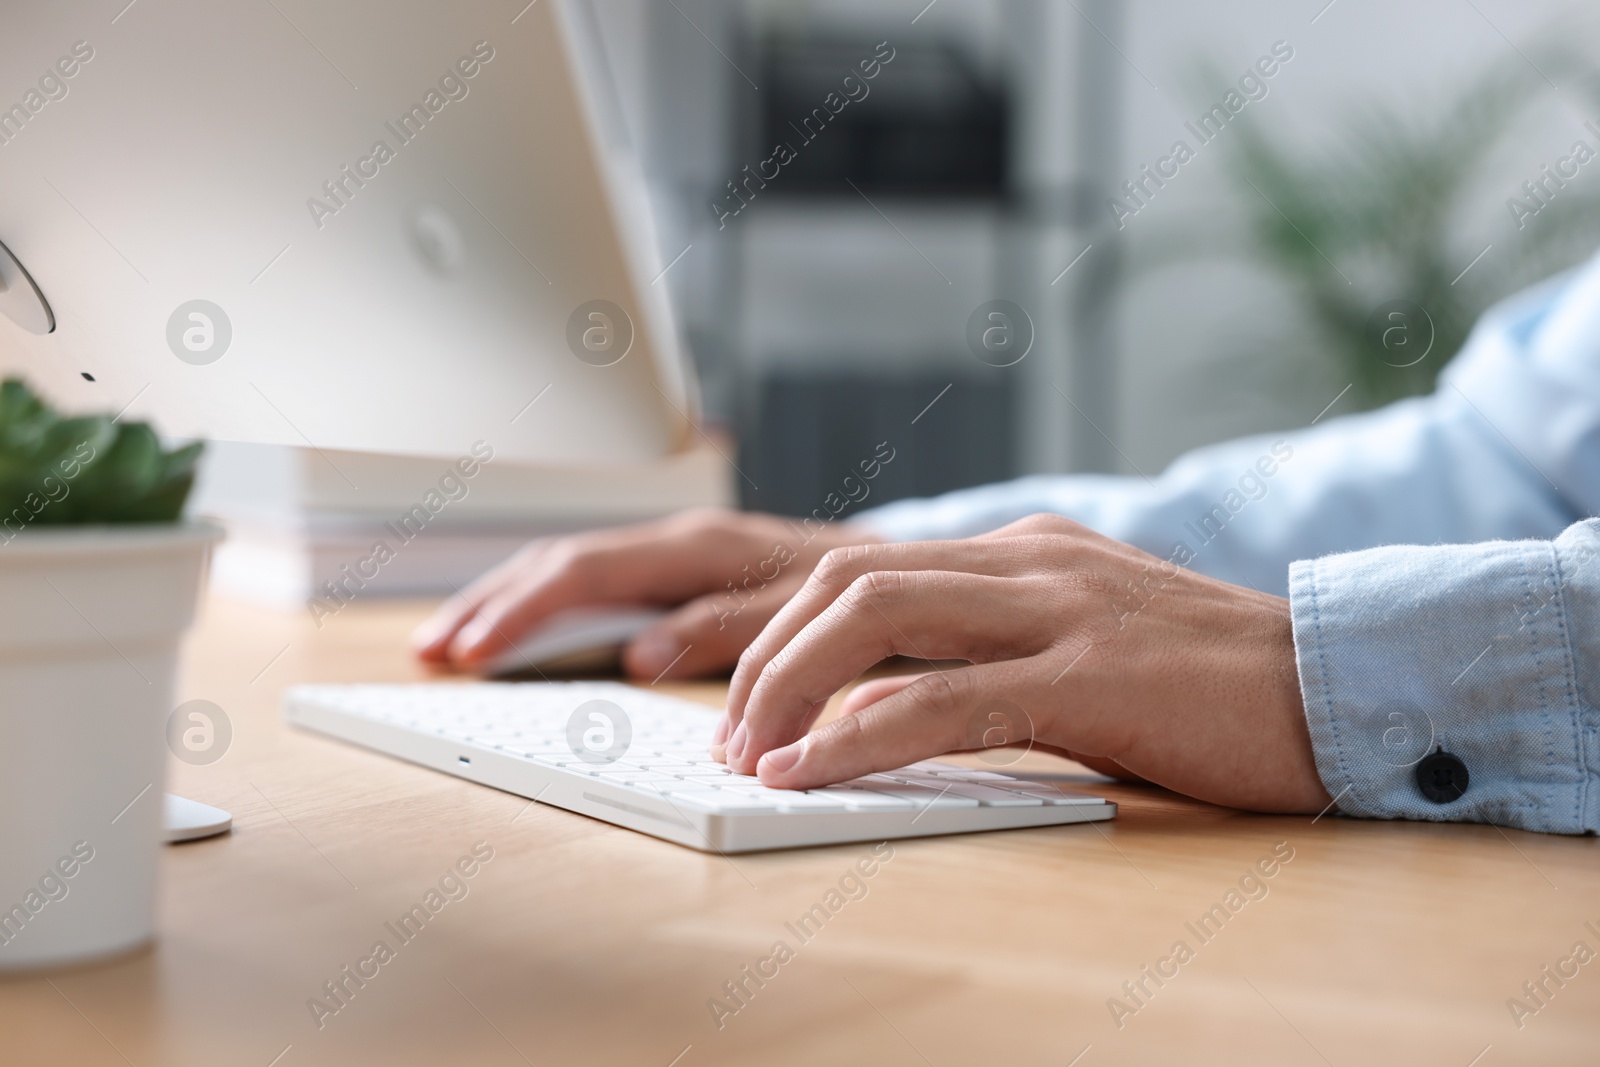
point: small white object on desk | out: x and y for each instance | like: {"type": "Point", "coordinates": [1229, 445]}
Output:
{"type": "Point", "coordinates": [576, 639]}
{"type": "Point", "coordinates": [189, 820]}
{"type": "Point", "coordinates": [639, 759]}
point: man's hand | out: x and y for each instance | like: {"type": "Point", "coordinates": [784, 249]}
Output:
{"type": "Point", "coordinates": [1117, 657]}
{"type": "Point", "coordinates": [726, 573]}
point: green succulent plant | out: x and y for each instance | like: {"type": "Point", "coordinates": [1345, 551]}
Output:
{"type": "Point", "coordinates": [1383, 198]}
{"type": "Point", "coordinates": [60, 471]}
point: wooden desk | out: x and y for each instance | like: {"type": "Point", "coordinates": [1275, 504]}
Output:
{"type": "Point", "coordinates": [579, 943]}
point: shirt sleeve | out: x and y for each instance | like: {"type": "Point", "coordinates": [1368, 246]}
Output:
{"type": "Point", "coordinates": [1488, 652]}
{"type": "Point", "coordinates": [1507, 447]}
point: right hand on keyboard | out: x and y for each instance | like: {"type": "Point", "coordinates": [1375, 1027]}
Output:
{"type": "Point", "coordinates": [726, 572]}
{"type": "Point", "coordinates": [1191, 685]}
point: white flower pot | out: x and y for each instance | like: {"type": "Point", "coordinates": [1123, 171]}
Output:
{"type": "Point", "coordinates": [89, 633]}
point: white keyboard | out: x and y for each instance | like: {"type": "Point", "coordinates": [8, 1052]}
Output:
{"type": "Point", "coordinates": [639, 759]}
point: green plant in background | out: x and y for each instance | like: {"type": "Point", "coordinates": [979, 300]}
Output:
{"type": "Point", "coordinates": [1384, 205]}
{"type": "Point", "coordinates": [91, 469]}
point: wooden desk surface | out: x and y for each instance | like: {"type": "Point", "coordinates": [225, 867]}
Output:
{"type": "Point", "coordinates": [580, 943]}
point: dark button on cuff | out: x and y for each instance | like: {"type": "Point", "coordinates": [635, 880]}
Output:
{"type": "Point", "coordinates": [1442, 777]}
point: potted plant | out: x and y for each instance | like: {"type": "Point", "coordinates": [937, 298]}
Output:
{"type": "Point", "coordinates": [1386, 201]}
{"type": "Point", "coordinates": [99, 579]}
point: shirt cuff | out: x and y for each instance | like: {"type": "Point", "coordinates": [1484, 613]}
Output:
{"type": "Point", "coordinates": [1489, 652]}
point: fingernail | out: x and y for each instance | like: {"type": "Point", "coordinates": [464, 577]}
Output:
{"type": "Point", "coordinates": [654, 651]}
{"type": "Point", "coordinates": [470, 638]}
{"type": "Point", "coordinates": [783, 759]}
{"type": "Point", "coordinates": [720, 734]}
{"type": "Point", "coordinates": [736, 744]}
{"type": "Point", "coordinates": [426, 634]}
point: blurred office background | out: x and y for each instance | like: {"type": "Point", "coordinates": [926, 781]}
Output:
{"type": "Point", "coordinates": [1372, 171]}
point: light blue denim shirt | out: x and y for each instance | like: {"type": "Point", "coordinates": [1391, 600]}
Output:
{"type": "Point", "coordinates": [1480, 636]}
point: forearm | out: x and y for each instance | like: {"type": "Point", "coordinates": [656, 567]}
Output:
{"type": "Point", "coordinates": [1508, 447]}
{"type": "Point", "coordinates": [1416, 472]}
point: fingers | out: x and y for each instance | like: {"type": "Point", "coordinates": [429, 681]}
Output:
{"type": "Point", "coordinates": [929, 614]}
{"type": "Point", "coordinates": [928, 717]}
{"type": "Point", "coordinates": [704, 636]}
{"type": "Point", "coordinates": [834, 575]}
{"type": "Point", "coordinates": [431, 640]}
{"type": "Point", "coordinates": [666, 562]}
{"type": "Point", "coordinates": [871, 692]}
{"type": "Point", "coordinates": [545, 586]}
{"type": "Point", "coordinates": [863, 695]}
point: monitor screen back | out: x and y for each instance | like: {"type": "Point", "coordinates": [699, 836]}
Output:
{"type": "Point", "coordinates": [383, 225]}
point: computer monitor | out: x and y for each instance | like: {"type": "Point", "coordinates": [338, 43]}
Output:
{"type": "Point", "coordinates": [384, 225]}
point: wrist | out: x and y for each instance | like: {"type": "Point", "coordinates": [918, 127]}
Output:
{"type": "Point", "coordinates": [1304, 791]}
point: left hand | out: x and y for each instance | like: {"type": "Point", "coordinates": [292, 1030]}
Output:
{"type": "Point", "coordinates": [1119, 658]}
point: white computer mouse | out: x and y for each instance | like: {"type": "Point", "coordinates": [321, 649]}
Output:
{"type": "Point", "coordinates": [576, 639]}
{"type": "Point", "coordinates": [189, 820]}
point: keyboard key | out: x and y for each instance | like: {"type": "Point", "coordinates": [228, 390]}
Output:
{"type": "Point", "coordinates": [919, 795]}
{"type": "Point", "coordinates": [935, 781]}
{"type": "Point", "coordinates": [930, 766]}
{"type": "Point", "coordinates": [722, 801]}
{"type": "Point", "coordinates": [1047, 793]}
{"type": "Point", "coordinates": [865, 799]}
{"type": "Point", "coordinates": [727, 779]}
{"type": "Point", "coordinates": [1019, 785]}
{"type": "Point", "coordinates": [990, 797]}
{"type": "Point", "coordinates": [557, 760]}
{"type": "Point", "coordinates": [687, 789]}
{"type": "Point", "coordinates": [790, 800]}
{"type": "Point", "coordinates": [635, 777]}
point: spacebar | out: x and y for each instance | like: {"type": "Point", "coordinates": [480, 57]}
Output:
{"type": "Point", "coordinates": [919, 795]}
